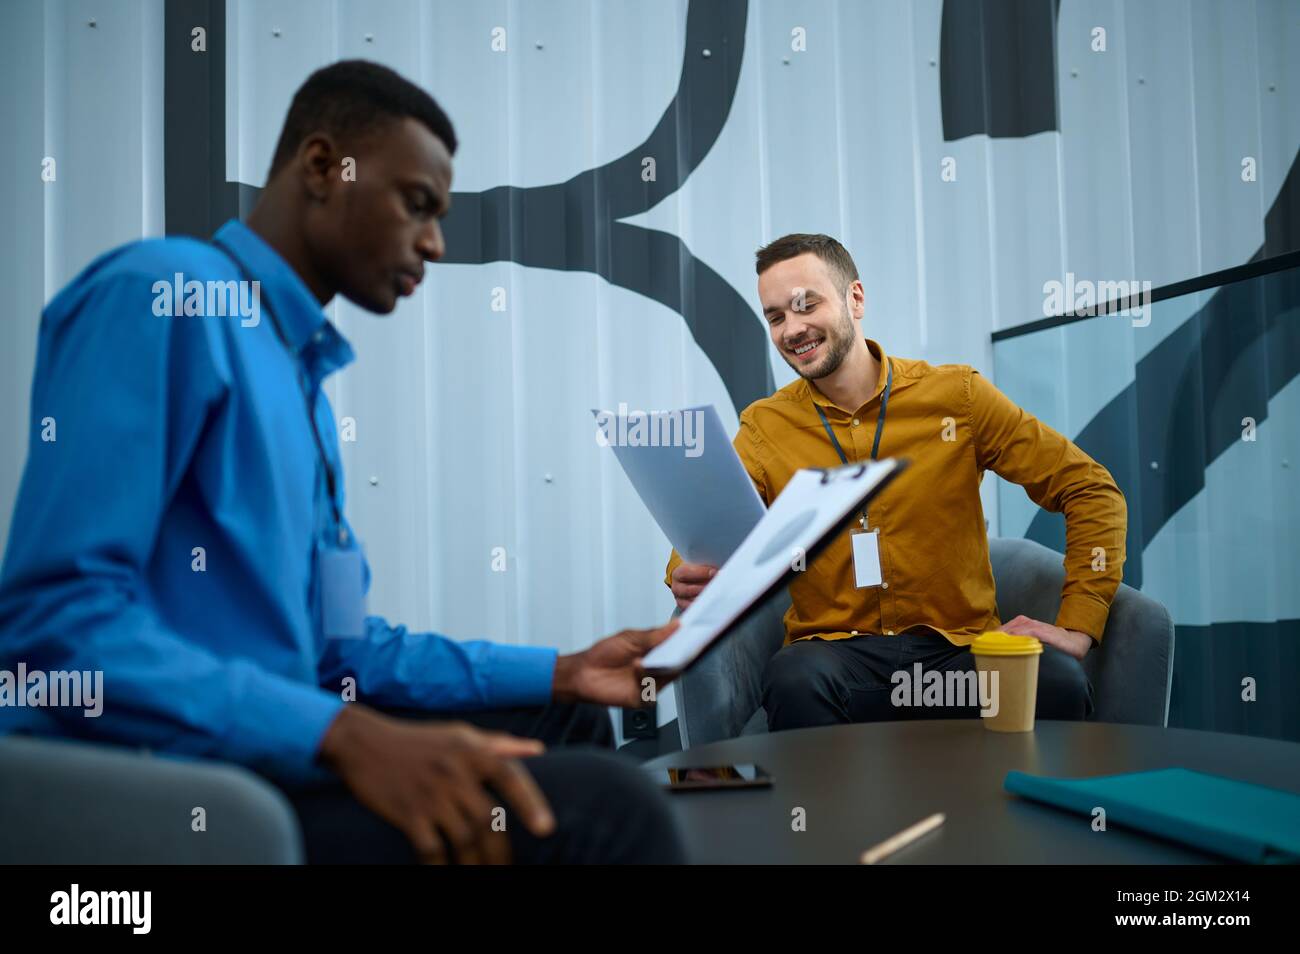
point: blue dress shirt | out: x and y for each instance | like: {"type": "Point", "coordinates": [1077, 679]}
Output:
{"type": "Point", "coordinates": [175, 433]}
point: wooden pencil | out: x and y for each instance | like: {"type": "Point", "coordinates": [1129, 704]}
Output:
{"type": "Point", "coordinates": [904, 838]}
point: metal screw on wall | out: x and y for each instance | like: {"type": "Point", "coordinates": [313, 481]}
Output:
{"type": "Point", "coordinates": [370, 38]}
{"type": "Point", "coordinates": [275, 32]}
{"type": "Point", "coordinates": [548, 478]}
{"type": "Point", "coordinates": [538, 45]}
{"type": "Point", "coordinates": [374, 481]}
{"type": "Point", "coordinates": [92, 23]}
{"type": "Point", "coordinates": [1155, 466]}
{"type": "Point", "coordinates": [707, 53]}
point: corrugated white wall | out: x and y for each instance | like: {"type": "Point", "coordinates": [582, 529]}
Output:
{"type": "Point", "coordinates": [82, 86]}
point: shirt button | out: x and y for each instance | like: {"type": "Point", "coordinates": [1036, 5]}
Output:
{"type": "Point", "coordinates": [855, 422]}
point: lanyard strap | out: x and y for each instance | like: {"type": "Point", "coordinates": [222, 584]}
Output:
{"type": "Point", "coordinates": [880, 425]}
{"type": "Point", "coordinates": [330, 481]}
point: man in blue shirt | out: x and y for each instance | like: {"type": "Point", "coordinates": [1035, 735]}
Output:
{"type": "Point", "coordinates": [180, 529]}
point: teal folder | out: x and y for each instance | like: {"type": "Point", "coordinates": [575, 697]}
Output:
{"type": "Point", "coordinates": [1239, 820]}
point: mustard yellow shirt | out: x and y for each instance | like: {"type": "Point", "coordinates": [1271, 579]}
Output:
{"type": "Point", "coordinates": [953, 425]}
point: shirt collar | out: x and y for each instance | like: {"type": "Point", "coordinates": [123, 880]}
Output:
{"type": "Point", "coordinates": [298, 313]}
{"type": "Point", "coordinates": [879, 354]}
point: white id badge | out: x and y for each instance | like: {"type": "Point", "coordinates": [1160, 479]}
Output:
{"type": "Point", "coordinates": [342, 590]}
{"type": "Point", "coordinates": [866, 558]}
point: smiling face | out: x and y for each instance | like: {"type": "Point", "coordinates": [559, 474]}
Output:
{"type": "Point", "coordinates": [370, 236]}
{"type": "Point", "coordinates": [812, 323]}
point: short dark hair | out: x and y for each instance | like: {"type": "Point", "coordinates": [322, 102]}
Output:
{"type": "Point", "coordinates": [835, 255]}
{"type": "Point", "coordinates": [350, 97]}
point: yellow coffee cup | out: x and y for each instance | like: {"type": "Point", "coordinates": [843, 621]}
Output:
{"type": "Point", "coordinates": [1008, 668]}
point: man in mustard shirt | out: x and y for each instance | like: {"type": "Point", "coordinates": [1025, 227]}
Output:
{"type": "Point", "coordinates": [934, 592]}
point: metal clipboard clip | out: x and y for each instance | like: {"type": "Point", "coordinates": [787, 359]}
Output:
{"type": "Point", "coordinates": [849, 472]}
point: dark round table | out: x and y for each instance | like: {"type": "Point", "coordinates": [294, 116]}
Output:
{"type": "Point", "coordinates": [860, 784]}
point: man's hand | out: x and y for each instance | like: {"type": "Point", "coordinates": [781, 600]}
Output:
{"type": "Point", "coordinates": [1069, 641]}
{"type": "Point", "coordinates": [431, 781]}
{"type": "Point", "coordinates": [689, 580]}
{"type": "Point", "coordinates": [609, 673]}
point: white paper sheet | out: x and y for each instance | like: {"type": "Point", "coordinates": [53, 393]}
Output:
{"type": "Point", "coordinates": [690, 479]}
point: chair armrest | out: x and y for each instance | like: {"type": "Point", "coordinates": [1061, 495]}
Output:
{"type": "Point", "coordinates": [69, 802]}
{"type": "Point", "coordinates": [1132, 669]}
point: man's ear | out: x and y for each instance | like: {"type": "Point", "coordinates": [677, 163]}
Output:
{"type": "Point", "coordinates": [857, 299]}
{"type": "Point", "coordinates": [317, 161]}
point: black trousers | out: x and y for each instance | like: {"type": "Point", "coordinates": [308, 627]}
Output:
{"type": "Point", "coordinates": [607, 809]}
{"type": "Point", "coordinates": [834, 681]}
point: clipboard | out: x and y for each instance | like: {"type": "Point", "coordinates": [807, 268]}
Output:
{"type": "Point", "coordinates": [815, 505]}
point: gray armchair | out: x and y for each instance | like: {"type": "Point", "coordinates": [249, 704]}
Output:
{"type": "Point", "coordinates": [68, 802]}
{"type": "Point", "coordinates": [1131, 670]}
